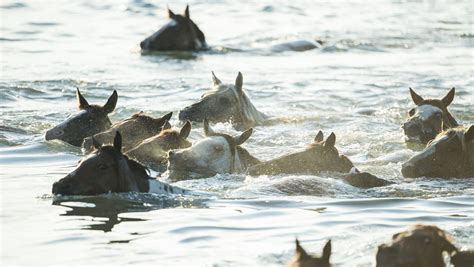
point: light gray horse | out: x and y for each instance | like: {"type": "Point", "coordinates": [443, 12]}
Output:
{"type": "Point", "coordinates": [225, 102]}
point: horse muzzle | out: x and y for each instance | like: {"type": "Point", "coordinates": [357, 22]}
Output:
{"type": "Point", "coordinates": [62, 188]}
{"type": "Point", "coordinates": [54, 134]}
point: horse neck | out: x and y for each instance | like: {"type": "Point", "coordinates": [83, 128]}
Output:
{"type": "Point", "coordinates": [468, 156]}
{"type": "Point", "coordinates": [248, 113]}
{"type": "Point", "coordinates": [131, 179]}
{"type": "Point", "coordinates": [245, 159]}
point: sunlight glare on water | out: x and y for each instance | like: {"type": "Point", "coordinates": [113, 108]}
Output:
{"type": "Point", "coordinates": [356, 86]}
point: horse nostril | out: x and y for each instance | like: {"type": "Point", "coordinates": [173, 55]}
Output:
{"type": "Point", "coordinates": [171, 154]}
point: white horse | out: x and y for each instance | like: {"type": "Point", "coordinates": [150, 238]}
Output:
{"type": "Point", "coordinates": [215, 154]}
{"type": "Point", "coordinates": [225, 102]}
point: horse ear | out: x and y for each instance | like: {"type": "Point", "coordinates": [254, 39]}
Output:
{"type": "Point", "coordinates": [417, 99]}
{"type": "Point", "coordinates": [215, 81]}
{"type": "Point", "coordinates": [207, 129]}
{"type": "Point", "coordinates": [166, 126]}
{"type": "Point", "coordinates": [448, 98]}
{"type": "Point", "coordinates": [118, 142]}
{"type": "Point", "coordinates": [243, 137]}
{"type": "Point", "coordinates": [300, 250]}
{"type": "Point", "coordinates": [469, 135]}
{"type": "Point", "coordinates": [170, 13]}
{"type": "Point", "coordinates": [96, 144]}
{"type": "Point", "coordinates": [239, 83]}
{"type": "Point", "coordinates": [111, 102]}
{"type": "Point", "coordinates": [184, 133]}
{"type": "Point", "coordinates": [327, 251]}
{"type": "Point", "coordinates": [186, 12]}
{"type": "Point", "coordinates": [330, 141]}
{"type": "Point", "coordinates": [166, 117]}
{"type": "Point", "coordinates": [81, 101]}
{"type": "Point", "coordinates": [319, 137]}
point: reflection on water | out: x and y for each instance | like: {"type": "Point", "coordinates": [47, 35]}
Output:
{"type": "Point", "coordinates": [356, 86]}
{"type": "Point", "coordinates": [105, 210]}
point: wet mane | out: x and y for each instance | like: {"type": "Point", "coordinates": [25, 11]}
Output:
{"type": "Point", "coordinates": [248, 113]}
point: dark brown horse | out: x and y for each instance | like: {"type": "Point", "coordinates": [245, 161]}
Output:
{"type": "Point", "coordinates": [90, 120]}
{"type": "Point", "coordinates": [450, 155]}
{"type": "Point", "coordinates": [429, 118]}
{"type": "Point", "coordinates": [319, 156]}
{"type": "Point", "coordinates": [419, 246]}
{"type": "Point", "coordinates": [463, 258]}
{"type": "Point", "coordinates": [153, 151]}
{"type": "Point", "coordinates": [134, 130]}
{"type": "Point", "coordinates": [108, 170]}
{"type": "Point", "coordinates": [303, 259]}
{"type": "Point", "coordinates": [179, 34]}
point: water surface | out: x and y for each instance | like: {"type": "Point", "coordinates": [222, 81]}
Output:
{"type": "Point", "coordinates": [355, 86]}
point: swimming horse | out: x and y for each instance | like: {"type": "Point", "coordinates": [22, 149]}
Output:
{"type": "Point", "coordinates": [419, 246]}
{"type": "Point", "coordinates": [179, 34]}
{"type": "Point", "coordinates": [449, 155]}
{"type": "Point", "coordinates": [134, 130]}
{"type": "Point", "coordinates": [153, 151]}
{"type": "Point", "coordinates": [225, 102]}
{"type": "Point", "coordinates": [90, 120]}
{"type": "Point", "coordinates": [218, 153]}
{"type": "Point", "coordinates": [429, 118]}
{"type": "Point", "coordinates": [321, 155]}
{"type": "Point", "coordinates": [107, 170]}
{"type": "Point", "coordinates": [304, 259]}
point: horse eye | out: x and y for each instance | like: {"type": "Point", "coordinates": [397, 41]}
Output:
{"type": "Point", "coordinates": [224, 100]}
{"type": "Point", "coordinates": [411, 112]}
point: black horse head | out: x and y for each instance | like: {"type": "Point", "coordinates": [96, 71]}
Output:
{"type": "Point", "coordinates": [179, 34]}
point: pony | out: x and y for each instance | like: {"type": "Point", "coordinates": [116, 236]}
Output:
{"type": "Point", "coordinates": [419, 246]}
{"type": "Point", "coordinates": [108, 170]}
{"type": "Point", "coordinates": [303, 259]}
{"type": "Point", "coordinates": [429, 117]}
{"type": "Point", "coordinates": [154, 150]}
{"type": "Point", "coordinates": [134, 130]}
{"type": "Point", "coordinates": [449, 155]}
{"type": "Point", "coordinates": [90, 120]}
{"type": "Point", "coordinates": [463, 258]}
{"type": "Point", "coordinates": [319, 156]}
{"type": "Point", "coordinates": [179, 34]}
{"type": "Point", "coordinates": [217, 153]}
{"type": "Point", "coordinates": [224, 102]}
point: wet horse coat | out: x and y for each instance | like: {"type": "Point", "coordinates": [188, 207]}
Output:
{"type": "Point", "coordinates": [154, 150]}
{"type": "Point", "coordinates": [429, 118]}
{"type": "Point", "coordinates": [419, 246]}
{"type": "Point", "coordinates": [179, 34]}
{"type": "Point", "coordinates": [319, 156]}
{"type": "Point", "coordinates": [217, 153]}
{"type": "Point", "coordinates": [303, 259]}
{"type": "Point", "coordinates": [450, 154]}
{"type": "Point", "coordinates": [134, 130]}
{"type": "Point", "coordinates": [225, 102]}
{"type": "Point", "coordinates": [90, 120]}
{"type": "Point", "coordinates": [108, 170]}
